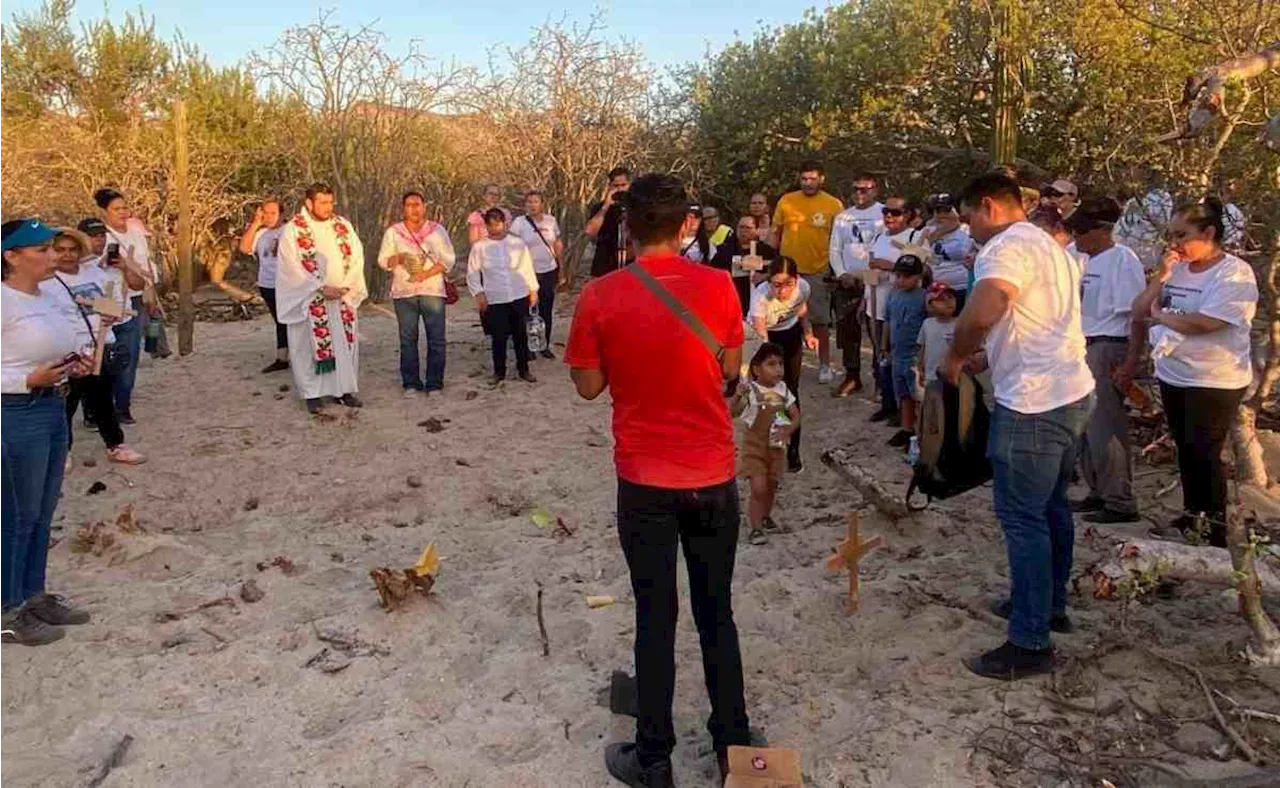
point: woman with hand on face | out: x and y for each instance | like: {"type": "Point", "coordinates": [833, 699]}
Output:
{"type": "Point", "coordinates": [1197, 308]}
{"type": "Point", "coordinates": [38, 353]}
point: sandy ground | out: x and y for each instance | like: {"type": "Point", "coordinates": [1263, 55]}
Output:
{"type": "Point", "coordinates": [454, 691]}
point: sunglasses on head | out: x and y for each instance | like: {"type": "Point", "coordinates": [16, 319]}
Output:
{"type": "Point", "coordinates": [894, 211]}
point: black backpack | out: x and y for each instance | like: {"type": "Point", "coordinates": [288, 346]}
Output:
{"type": "Point", "coordinates": [953, 424]}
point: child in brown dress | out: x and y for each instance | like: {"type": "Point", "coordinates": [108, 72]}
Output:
{"type": "Point", "coordinates": [768, 409]}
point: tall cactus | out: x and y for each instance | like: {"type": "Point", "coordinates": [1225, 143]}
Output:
{"type": "Point", "coordinates": [1006, 94]}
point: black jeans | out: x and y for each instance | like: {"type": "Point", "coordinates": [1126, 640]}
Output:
{"type": "Point", "coordinates": [509, 320]}
{"type": "Point", "coordinates": [652, 523]}
{"type": "Point", "coordinates": [742, 284]}
{"type": "Point", "coordinates": [547, 284]}
{"type": "Point", "coordinates": [1199, 420]}
{"type": "Point", "coordinates": [849, 313]}
{"type": "Point", "coordinates": [282, 331]}
{"type": "Point", "coordinates": [95, 392]}
{"type": "Point", "coordinates": [791, 340]}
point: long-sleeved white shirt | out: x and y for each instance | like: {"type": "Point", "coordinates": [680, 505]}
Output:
{"type": "Point", "coordinates": [851, 236]}
{"type": "Point", "coordinates": [431, 240]}
{"type": "Point", "coordinates": [502, 270]}
{"type": "Point", "coordinates": [35, 331]}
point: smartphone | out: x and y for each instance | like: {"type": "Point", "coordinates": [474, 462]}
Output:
{"type": "Point", "coordinates": [113, 254]}
{"type": "Point", "coordinates": [70, 358]}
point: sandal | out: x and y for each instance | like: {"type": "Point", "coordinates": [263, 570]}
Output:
{"type": "Point", "coordinates": [757, 536]}
{"type": "Point", "coordinates": [125, 455]}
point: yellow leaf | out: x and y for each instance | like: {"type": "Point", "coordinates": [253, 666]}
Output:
{"type": "Point", "coordinates": [428, 563]}
{"type": "Point", "coordinates": [541, 517]}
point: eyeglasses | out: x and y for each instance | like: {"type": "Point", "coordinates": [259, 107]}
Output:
{"type": "Point", "coordinates": [894, 211]}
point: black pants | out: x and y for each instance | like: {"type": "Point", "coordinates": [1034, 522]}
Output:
{"type": "Point", "coordinates": [743, 285]}
{"type": "Point", "coordinates": [849, 308]}
{"type": "Point", "coordinates": [881, 365]}
{"type": "Point", "coordinates": [509, 320]}
{"type": "Point", "coordinates": [547, 284]}
{"type": "Point", "coordinates": [791, 341]}
{"type": "Point", "coordinates": [95, 392]}
{"type": "Point", "coordinates": [652, 523]}
{"type": "Point", "coordinates": [282, 331]}
{"type": "Point", "coordinates": [1199, 420]}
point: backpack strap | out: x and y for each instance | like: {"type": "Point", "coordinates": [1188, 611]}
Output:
{"type": "Point", "coordinates": [682, 312]}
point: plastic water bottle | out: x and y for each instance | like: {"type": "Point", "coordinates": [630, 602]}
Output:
{"type": "Point", "coordinates": [537, 331]}
{"type": "Point", "coordinates": [913, 452]}
{"type": "Point", "coordinates": [780, 421]}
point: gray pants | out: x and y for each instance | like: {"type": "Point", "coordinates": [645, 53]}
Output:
{"type": "Point", "coordinates": [1105, 450]}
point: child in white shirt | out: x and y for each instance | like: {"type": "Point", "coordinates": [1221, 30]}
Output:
{"type": "Point", "coordinates": [769, 410]}
{"type": "Point", "coordinates": [938, 330]}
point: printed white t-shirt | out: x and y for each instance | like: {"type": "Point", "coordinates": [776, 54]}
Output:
{"type": "Point", "coordinates": [544, 262]}
{"type": "Point", "coordinates": [266, 247]}
{"type": "Point", "coordinates": [1112, 279]}
{"type": "Point", "coordinates": [779, 314]}
{"type": "Point", "coordinates": [1219, 359]}
{"type": "Point", "coordinates": [1037, 350]}
{"type": "Point", "coordinates": [883, 248]}
{"type": "Point", "coordinates": [935, 337]}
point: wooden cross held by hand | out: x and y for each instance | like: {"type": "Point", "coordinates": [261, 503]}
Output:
{"type": "Point", "coordinates": [848, 554]}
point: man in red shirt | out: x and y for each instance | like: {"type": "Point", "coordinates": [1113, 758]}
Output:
{"type": "Point", "coordinates": [675, 460]}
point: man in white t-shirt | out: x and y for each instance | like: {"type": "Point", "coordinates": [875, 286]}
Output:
{"type": "Point", "coordinates": [1025, 305]}
{"type": "Point", "coordinates": [419, 254]}
{"type": "Point", "coordinates": [261, 240]}
{"type": "Point", "coordinates": [899, 231]}
{"type": "Point", "coordinates": [541, 233]}
{"type": "Point", "coordinates": [1113, 277]}
{"type": "Point", "coordinates": [851, 235]}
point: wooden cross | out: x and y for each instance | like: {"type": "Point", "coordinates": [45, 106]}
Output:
{"type": "Point", "coordinates": [848, 554]}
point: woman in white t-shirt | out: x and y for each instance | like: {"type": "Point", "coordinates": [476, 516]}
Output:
{"type": "Point", "coordinates": [38, 352]}
{"type": "Point", "coordinates": [1198, 306]}
{"type": "Point", "coordinates": [79, 279]}
{"type": "Point", "coordinates": [129, 239]}
{"type": "Point", "coordinates": [261, 240]}
{"type": "Point", "coordinates": [779, 308]}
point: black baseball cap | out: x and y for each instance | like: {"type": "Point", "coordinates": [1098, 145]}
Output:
{"type": "Point", "coordinates": [1094, 212]}
{"type": "Point", "coordinates": [909, 265]}
{"type": "Point", "coordinates": [92, 226]}
{"type": "Point", "coordinates": [937, 201]}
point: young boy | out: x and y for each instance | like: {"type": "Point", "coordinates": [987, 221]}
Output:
{"type": "Point", "coordinates": [906, 314]}
{"type": "Point", "coordinates": [938, 329]}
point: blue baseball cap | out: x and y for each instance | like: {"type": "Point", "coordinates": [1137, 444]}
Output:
{"type": "Point", "coordinates": [26, 232]}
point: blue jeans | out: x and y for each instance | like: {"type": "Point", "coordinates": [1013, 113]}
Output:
{"type": "Point", "coordinates": [1031, 459]}
{"type": "Point", "coordinates": [129, 337]}
{"type": "Point", "coordinates": [430, 310]}
{"type": "Point", "coordinates": [33, 435]}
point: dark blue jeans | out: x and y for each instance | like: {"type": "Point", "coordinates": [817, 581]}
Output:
{"type": "Point", "coordinates": [653, 524]}
{"type": "Point", "coordinates": [430, 311]}
{"type": "Point", "coordinates": [1031, 459]}
{"type": "Point", "coordinates": [129, 337]}
{"type": "Point", "coordinates": [547, 284]}
{"type": "Point", "coordinates": [33, 435]}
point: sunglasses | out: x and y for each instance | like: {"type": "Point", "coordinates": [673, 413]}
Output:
{"type": "Point", "coordinates": [1052, 194]}
{"type": "Point", "coordinates": [894, 211]}
{"type": "Point", "coordinates": [864, 188]}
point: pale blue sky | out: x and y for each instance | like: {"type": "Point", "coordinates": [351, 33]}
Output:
{"type": "Point", "coordinates": [670, 31]}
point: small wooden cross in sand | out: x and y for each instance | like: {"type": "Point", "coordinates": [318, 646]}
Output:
{"type": "Point", "coordinates": [848, 554]}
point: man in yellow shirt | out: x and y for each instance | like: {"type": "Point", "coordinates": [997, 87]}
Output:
{"type": "Point", "coordinates": [804, 219]}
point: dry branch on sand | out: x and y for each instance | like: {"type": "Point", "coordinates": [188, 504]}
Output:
{"type": "Point", "coordinates": [1175, 561]}
{"type": "Point", "coordinates": [872, 490]}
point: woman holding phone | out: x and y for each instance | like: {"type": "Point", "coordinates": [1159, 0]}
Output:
{"type": "Point", "coordinates": [38, 353]}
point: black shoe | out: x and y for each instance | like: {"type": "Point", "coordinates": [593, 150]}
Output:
{"type": "Point", "coordinates": [895, 419]}
{"type": "Point", "coordinates": [623, 762]}
{"type": "Point", "coordinates": [1111, 516]}
{"type": "Point", "coordinates": [880, 415]}
{"type": "Point", "coordinates": [1010, 662]}
{"type": "Point", "coordinates": [901, 439]}
{"type": "Point", "coordinates": [528, 377]}
{"type": "Point", "coordinates": [794, 465]}
{"type": "Point", "coordinates": [351, 401]}
{"type": "Point", "coordinates": [125, 417]}
{"type": "Point", "coordinates": [548, 354]}
{"type": "Point", "coordinates": [51, 609]}
{"type": "Point", "coordinates": [25, 628]}
{"type": "Point", "coordinates": [1088, 504]}
{"type": "Point", "coordinates": [314, 405]}
{"type": "Point", "coordinates": [275, 366]}
{"type": "Point", "coordinates": [1060, 624]}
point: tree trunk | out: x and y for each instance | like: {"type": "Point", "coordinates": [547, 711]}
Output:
{"type": "Point", "coordinates": [186, 266]}
{"type": "Point", "coordinates": [873, 492]}
{"type": "Point", "coordinates": [1265, 647]}
{"type": "Point", "coordinates": [1177, 561]}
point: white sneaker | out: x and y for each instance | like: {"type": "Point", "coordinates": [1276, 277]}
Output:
{"type": "Point", "coordinates": [825, 375]}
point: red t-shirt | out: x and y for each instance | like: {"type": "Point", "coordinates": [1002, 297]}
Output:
{"type": "Point", "coordinates": [671, 425]}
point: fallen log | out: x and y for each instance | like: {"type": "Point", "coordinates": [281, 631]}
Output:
{"type": "Point", "coordinates": [1176, 561]}
{"type": "Point", "coordinates": [873, 492]}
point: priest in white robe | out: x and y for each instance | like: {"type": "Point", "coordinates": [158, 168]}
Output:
{"type": "Point", "coordinates": [319, 287]}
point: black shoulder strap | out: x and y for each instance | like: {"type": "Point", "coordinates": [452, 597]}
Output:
{"type": "Point", "coordinates": [679, 310]}
{"type": "Point", "coordinates": [76, 304]}
{"type": "Point", "coordinates": [538, 230]}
